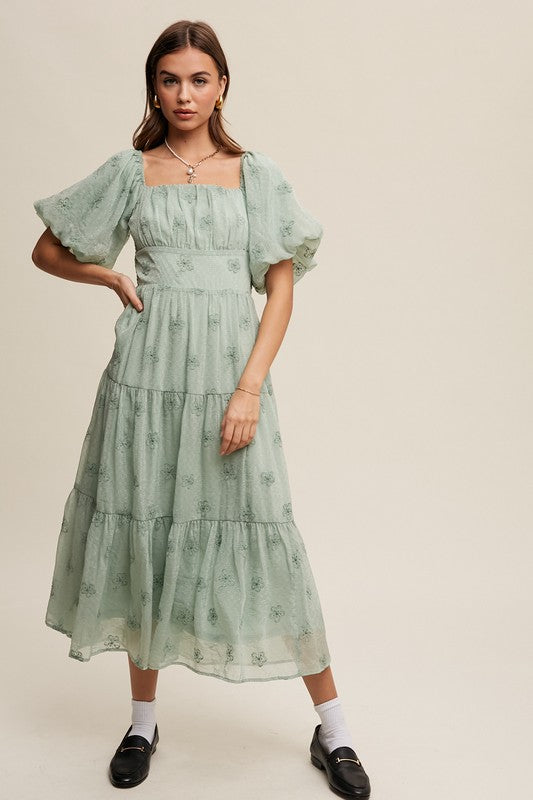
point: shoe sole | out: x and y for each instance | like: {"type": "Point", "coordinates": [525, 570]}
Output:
{"type": "Point", "coordinates": [317, 763]}
{"type": "Point", "coordinates": [120, 785]}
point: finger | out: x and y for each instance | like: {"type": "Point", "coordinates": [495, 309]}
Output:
{"type": "Point", "coordinates": [235, 439]}
{"type": "Point", "coordinates": [227, 434]}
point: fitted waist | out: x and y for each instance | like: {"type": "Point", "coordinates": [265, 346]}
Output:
{"type": "Point", "coordinates": [193, 269]}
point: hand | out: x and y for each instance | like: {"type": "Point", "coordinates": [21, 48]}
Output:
{"type": "Point", "coordinates": [239, 422]}
{"type": "Point", "coordinates": [125, 288]}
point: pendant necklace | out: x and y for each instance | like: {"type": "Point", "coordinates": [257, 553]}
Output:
{"type": "Point", "coordinates": [190, 167]}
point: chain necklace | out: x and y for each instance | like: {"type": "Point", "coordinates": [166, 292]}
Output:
{"type": "Point", "coordinates": [190, 167]}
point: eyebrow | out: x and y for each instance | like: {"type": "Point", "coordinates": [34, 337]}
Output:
{"type": "Point", "coordinates": [202, 72]}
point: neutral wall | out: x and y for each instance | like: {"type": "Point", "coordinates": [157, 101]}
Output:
{"type": "Point", "coordinates": [406, 129]}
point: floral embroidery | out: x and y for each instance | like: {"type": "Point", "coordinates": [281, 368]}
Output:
{"type": "Point", "coordinates": [206, 221]}
{"type": "Point", "coordinates": [247, 515]}
{"type": "Point", "coordinates": [124, 443]}
{"type": "Point", "coordinates": [287, 510]}
{"type": "Point", "coordinates": [229, 470]}
{"type": "Point", "coordinates": [171, 401]}
{"type": "Point", "coordinates": [267, 478]}
{"type": "Point", "coordinates": [207, 438]}
{"type": "Point", "coordinates": [176, 323]}
{"type": "Point", "coordinates": [259, 658]}
{"type": "Point", "coordinates": [257, 583]}
{"type": "Point", "coordinates": [112, 642]}
{"type": "Point", "coordinates": [184, 615]}
{"type": "Point", "coordinates": [185, 263]}
{"type": "Point", "coordinates": [145, 597]}
{"type": "Point", "coordinates": [98, 471]}
{"type": "Point", "coordinates": [168, 472]}
{"type": "Point", "coordinates": [274, 538]}
{"type": "Point", "coordinates": [132, 622]}
{"type": "Point", "coordinates": [276, 612]}
{"type": "Point", "coordinates": [203, 507]}
{"type": "Point", "coordinates": [197, 407]}
{"type": "Point", "coordinates": [284, 187]}
{"type": "Point", "coordinates": [232, 354]}
{"type": "Point", "coordinates": [186, 480]}
{"type": "Point", "coordinates": [234, 264]}
{"type": "Point", "coordinates": [152, 439]}
{"type": "Point", "coordinates": [286, 227]}
{"type": "Point", "coordinates": [296, 558]}
{"type": "Point", "coordinates": [150, 354]}
{"type": "Point", "coordinates": [225, 578]}
{"type": "Point", "coordinates": [212, 616]}
{"type": "Point", "coordinates": [213, 320]}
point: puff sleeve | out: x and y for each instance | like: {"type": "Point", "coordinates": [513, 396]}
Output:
{"type": "Point", "coordinates": [91, 217]}
{"type": "Point", "coordinates": [279, 228]}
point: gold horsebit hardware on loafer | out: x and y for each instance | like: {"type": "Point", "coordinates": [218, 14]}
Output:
{"type": "Point", "coordinates": [131, 748]}
{"type": "Point", "coordinates": [348, 759]}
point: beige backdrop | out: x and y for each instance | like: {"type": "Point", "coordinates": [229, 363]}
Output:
{"type": "Point", "coordinates": [406, 129]}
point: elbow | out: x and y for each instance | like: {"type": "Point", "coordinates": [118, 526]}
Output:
{"type": "Point", "coordinates": [36, 256]}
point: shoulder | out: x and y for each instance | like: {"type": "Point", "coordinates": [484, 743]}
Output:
{"type": "Point", "coordinates": [120, 169]}
{"type": "Point", "coordinates": [119, 162]}
{"type": "Point", "coordinates": [265, 170]}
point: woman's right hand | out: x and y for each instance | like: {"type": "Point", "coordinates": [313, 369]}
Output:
{"type": "Point", "coordinates": [125, 288]}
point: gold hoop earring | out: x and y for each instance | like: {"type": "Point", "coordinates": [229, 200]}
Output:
{"type": "Point", "coordinates": [156, 104]}
{"type": "Point", "coordinates": [219, 103]}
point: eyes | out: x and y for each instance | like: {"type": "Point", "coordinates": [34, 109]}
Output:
{"type": "Point", "coordinates": [173, 80]}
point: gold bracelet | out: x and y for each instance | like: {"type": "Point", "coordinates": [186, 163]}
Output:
{"type": "Point", "coordinates": [247, 390]}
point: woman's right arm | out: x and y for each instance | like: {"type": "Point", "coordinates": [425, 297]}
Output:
{"type": "Point", "coordinates": [56, 259]}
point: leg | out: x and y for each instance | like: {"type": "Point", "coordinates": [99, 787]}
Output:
{"type": "Point", "coordinates": [333, 729]}
{"type": "Point", "coordinates": [143, 682]}
{"type": "Point", "coordinates": [321, 686]}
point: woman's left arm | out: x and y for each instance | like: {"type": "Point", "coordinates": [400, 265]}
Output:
{"type": "Point", "coordinates": [240, 419]}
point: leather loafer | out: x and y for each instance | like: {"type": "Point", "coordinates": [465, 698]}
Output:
{"type": "Point", "coordinates": [131, 763]}
{"type": "Point", "coordinates": [344, 771]}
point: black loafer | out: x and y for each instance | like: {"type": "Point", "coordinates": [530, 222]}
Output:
{"type": "Point", "coordinates": [345, 773]}
{"type": "Point", "coordinates": [131, 763]}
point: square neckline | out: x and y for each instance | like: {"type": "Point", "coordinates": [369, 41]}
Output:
{"type": "Point", "coordinates": [145, 185]}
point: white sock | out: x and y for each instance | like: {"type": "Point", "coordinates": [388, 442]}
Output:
{"type": "Point", "coordinates": [143, 719]}
{"type": "Point", "coordinates": [333, 731]}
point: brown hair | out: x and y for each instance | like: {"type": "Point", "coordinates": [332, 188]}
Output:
{"type": "Point", "coordinates": [153, 128]}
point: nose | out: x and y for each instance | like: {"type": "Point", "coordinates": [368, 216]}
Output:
{"type": "Point", "coordinates": [183, 93]}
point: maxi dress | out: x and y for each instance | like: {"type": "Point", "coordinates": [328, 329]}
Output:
{"type": "Point", "coordinates": [167, 549]}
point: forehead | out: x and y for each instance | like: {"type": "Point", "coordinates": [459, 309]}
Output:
{"type": "Point", "coordinates": [185, 61]}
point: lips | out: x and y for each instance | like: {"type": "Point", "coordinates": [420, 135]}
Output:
{"type": "Point", "coordinates": [184, 113]}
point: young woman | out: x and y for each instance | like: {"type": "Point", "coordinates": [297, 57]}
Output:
{"type": "Point", "coordinates": [178, 544]}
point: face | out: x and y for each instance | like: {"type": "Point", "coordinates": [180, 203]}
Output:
{"type": "Point", "coordinates": [187, 79]}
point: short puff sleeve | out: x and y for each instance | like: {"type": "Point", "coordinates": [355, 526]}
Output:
{"type": "Point", "coordinates": [91, 217]}
{"type": "Point", "coordinates": [279, 228]}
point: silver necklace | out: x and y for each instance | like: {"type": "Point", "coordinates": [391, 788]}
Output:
{"type": "Point", "coordinates": [190, 167]}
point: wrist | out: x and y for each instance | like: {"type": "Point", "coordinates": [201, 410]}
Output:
{"type": "Point", "coordinates": [251, 384]}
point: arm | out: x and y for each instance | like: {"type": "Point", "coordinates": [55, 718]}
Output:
{"type": "Point", "coordinates": [53, 257]}
{"type": "Point", "coordinates": [239, 423]}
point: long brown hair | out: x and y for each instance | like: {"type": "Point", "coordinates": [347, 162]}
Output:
{"type": "Point", "coordinates": [153, 128]}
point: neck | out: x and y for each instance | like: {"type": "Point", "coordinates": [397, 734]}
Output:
{"type": "Point", "coordinates": [190, 146]}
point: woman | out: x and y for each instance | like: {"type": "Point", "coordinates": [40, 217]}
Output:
{"type": "Point", "coordinates": [178, 544]}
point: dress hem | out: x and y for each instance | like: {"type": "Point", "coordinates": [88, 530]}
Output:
{"type": "Point", "coordinates": [257, 679]}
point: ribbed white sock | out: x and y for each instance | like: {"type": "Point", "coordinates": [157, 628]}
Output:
{"type": "Point", "coordinates": [333, 731]}
{"type": "Point", "coordinates": [143, 718]}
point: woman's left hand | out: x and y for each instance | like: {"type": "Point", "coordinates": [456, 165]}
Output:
{"type": "Point", "coordinates": [239, 422]}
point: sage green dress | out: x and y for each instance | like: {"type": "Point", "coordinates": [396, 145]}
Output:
{"type": "Point", "coordinates": [167, 549]}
